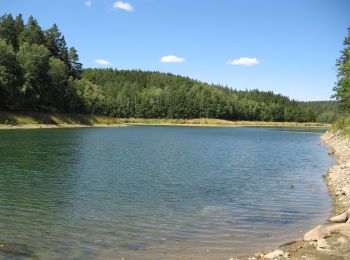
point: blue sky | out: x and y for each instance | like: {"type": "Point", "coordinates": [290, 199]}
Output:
{"type": "Point", "coordinates": [290, 45]}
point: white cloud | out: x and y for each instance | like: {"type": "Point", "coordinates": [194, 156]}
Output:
{"type": "Point", "coordinates": [88, 3]}
{"type": "Point", "coordinates": [245, 61]}
{"type": "Point", "coordinates": [123, 6]}
{"type": "Point", "coordinates": [172, 58]}
{"type": "Point", "coordinates": [102, 62]}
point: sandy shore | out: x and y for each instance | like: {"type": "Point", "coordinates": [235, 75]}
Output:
{"type": "Point", "coordinates": [331, 241]}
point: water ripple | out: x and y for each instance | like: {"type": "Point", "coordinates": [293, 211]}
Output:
{"type": "Point", "coordinates": [157, 192]}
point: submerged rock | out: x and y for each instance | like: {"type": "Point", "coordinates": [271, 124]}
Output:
{"type": "Point", "coordinates": [317, 233]}
{"type": "Point", "coordinates": [16, 250]}
{"type": "Point", "coordinates": [210, 210]}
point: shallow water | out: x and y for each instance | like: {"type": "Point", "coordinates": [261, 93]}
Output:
{"type": "Point", "coordinates": [158, 192]}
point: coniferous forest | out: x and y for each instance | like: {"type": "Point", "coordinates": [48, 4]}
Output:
{"type": "Point", "coordinates": [39, 72]}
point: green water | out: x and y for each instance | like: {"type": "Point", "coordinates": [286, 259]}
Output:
{"type": "Point", "coordinates": [158, 192]}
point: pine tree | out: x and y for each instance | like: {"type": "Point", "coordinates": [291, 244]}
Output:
{"type": "Point", "coordinates": [18, 28]}
{"type": "Point", "coordinates": [75, 66]}
{"type": "Point", "coordinates": [55, 42]}
{"type": "Point", "coordinates": [32, 33]}
{"type": "Point", "coordinates": [6, 29]}
{"type": "Point", "coordinates": [342, 87]}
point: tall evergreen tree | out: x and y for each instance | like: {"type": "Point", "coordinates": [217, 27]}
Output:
{"type": "Point", "coordinates": [18, 28]}
{"type": "Point", "coordinates": [32, 33]}
{"type": "Point", "coordinates": [7, 29]}
{"type": "Point", "coordinates": [55, 42]}
{"type": "Point", "coordinates": [342, 87]}
{"type": "Point", "coordinates": [75, 66]}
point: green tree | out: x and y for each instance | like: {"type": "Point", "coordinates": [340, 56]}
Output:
{"type": "Point", "coordinates": [10, 77]}
{"type": "Point", "coordinates": [75, 67]}
{"type": "Point", "coordinates": [56, 43]}
{"type": "Point", "coordinates": [34, 60]}
{"type": "Point", "coordinates": [32, 33]}
{"type": "Point", "coordinates": [90, 95]}
{"type": "Point", "coordinates": [7, 31]}
{"type": "Point", "coordinates": [18, 28]}
{"type": "Point", "coordinates": [342, 87]}
{"type": "Point", "coordinates": [58, 82]}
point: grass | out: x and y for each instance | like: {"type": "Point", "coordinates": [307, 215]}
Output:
{"type": "Point", "coordinates": [215, 122]}
{"type": "Point", "coordinates": [36, 119]}
{"type": "Point", "coordinates": [32, 118]}
{"type": "Point", "coordinates": [342, 125]}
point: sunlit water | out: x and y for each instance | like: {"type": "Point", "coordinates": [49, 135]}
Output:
{"type": "Point", "coordinates": [158, 192]}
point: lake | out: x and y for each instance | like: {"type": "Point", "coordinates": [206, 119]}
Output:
{"type": "Point", "coordinates": [158, 192]}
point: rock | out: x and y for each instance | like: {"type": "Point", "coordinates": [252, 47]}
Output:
{"type": "Point", "coordinates": [343, 229]}
{"type": "Point", "coordinates": [346, 189]}
{"type": "Point", "coordinates": [313, 243]}
{"type": "Point", "coordinates": [322, 243]}
{"type": "Point", "coordinates": [274, 254]}
{"type": "Point", "coordinates": [341, 218]}
{"type": "Point", "coordinates": [328, 251]}
{"type": "Point", "coordinates": [317, 233]}
{"type": "Point", "coordinates": [338, 193]}
{"type": "Point", "coordinates": [341, 240]}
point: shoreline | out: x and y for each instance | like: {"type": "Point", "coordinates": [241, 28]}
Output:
{"type": "Point", "coordinates": [34, 120]}
{"type": "Point", "coordinates": [165, 123]}
{"type": "Point", "coordinates": [332, 240]}
{"type": "Point", "coordinates": [60, 126]}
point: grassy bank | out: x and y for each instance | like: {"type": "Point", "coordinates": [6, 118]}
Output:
{"type": "Point", "coordinates": [31, 118]}
{"type": "Point", "coordinates": [21, 119]}
{"type": "Point", "coordinates": [342, 125]}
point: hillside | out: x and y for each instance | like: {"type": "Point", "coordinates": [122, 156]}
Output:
{"type": "Point", "coordinates": [40, 73]}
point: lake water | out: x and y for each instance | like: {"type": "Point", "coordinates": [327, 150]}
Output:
{"type": "Point", "coordinates": [158, 192]}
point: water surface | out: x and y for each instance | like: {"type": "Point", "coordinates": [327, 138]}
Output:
{"type": "Point", "coordinates": [158, 192]}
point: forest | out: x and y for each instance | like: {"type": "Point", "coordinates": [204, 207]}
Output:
{"type": "Point", "coordinates": [39, 72]}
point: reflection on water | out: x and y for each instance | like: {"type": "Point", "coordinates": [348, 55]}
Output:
{"type": "Point", "coordinates": [157, 192]}
{"type": "Point", "coordinates": [320, 129]}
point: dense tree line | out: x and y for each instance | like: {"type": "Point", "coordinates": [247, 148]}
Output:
{"type": "Point", "coordinates": [325, 111]}
{"type": "Point", "coordinates": [38, 72]}
{"type": "Point", "coordinates": [37, 69]}
{"type": "Point", "coordinates": [161, 95]}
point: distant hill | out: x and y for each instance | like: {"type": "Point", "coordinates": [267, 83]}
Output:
{"type": "Point", "coordinates": [39, 72]}
{"type": "Point", "coordinates": [135, 93]}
